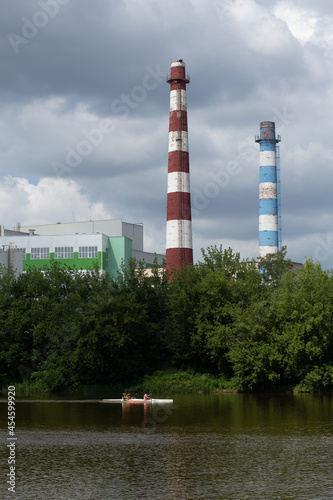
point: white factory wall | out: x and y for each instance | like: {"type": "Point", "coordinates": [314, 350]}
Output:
{"type": "Point", "coordinates": [52, 241]}
{"type": "Point", "coordinates": [110, 227]}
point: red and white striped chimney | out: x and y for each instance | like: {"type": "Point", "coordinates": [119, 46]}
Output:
{"type": "Point", "coordinates": [179, 226]}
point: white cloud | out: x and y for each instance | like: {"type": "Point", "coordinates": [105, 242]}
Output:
{"type": "Point", "coordinates": [306, 23]}
{"type": "Point", "coordinates": [49, 201]}
{"type": "Point", "coordinates": [301, 22]}
{"type": "Point", "coordinates": [259, 29]}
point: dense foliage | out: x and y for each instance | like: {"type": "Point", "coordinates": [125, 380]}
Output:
{"type": "Point", "coordinates": [258, 326]}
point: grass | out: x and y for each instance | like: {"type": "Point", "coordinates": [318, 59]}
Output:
{"type": "Point", "coordinates": [32, 388]}
{"type": "Point", "coordinates": [178, 381]}
{"type": "Point", "coordinates": [160, 382]}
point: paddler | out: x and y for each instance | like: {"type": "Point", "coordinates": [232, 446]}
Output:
{"type": "Point", "coordinates": [147, 396]}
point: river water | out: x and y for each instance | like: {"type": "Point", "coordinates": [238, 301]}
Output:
{"type": "Point", "coordinates": [216, 446]}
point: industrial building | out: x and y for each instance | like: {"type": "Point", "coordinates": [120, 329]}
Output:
{"type": "Point", "coordinates": [11, 257]}
{"type": "Point", "coordinates": [79, 245]}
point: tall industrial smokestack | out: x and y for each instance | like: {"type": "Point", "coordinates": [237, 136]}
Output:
{"type": "Point", "coordinates": [268, 195]}
{"type": "Point", "coordinates": [179, 226]}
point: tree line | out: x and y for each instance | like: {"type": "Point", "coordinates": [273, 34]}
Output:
{"type": "Point", "coordinates": [260, 325]}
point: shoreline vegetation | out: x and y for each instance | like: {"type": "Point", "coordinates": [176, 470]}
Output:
{"type": "Point", "coordinates": [225, 324]}
{"type": "Point", "coordinates": [162, 382]}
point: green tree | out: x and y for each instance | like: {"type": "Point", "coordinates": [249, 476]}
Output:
{"type": "Point", "coordinates": [303, 329]}
{"type": "Point", "coordinates": [206, 304]}
{"type": "Point", "coordinates": [273, 266]}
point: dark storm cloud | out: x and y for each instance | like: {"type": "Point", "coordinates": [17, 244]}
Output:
{"type": "Point", "coordinates": [83, 52]}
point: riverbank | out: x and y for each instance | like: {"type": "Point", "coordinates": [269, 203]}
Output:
{"type": "Point", "coordinates": [178, 381]}
{"type": "Point", "coordinates": [170, 381]}
{"type": "Point", "coordinates": [160, 382]}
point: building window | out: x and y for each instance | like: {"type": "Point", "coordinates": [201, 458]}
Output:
{"type": "Point", "coordinates": [40, 253]}
{"type": "Point", "coordinates": [63, 253]}
{"type": "Point", "coordinates": [88, 252]}
{"type": "Point", "coordinates": [21, 250]}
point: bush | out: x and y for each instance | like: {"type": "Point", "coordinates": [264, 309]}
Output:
{"type": "Point", "coordinates": [321, 377]}
{"type": "Point", "coordinates": [177, 381]}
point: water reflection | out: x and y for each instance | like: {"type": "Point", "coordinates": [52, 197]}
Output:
{"type": "Point", "coordinates": [146, 417]}
{"type": "Point", "coordinates": [226, 446]}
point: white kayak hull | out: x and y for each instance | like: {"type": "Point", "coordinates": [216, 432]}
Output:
{"type": "Point", "coordinates": [137, 400]}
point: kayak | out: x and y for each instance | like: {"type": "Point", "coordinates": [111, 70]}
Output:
{"type": "Point", "coordinates": [138, 400]}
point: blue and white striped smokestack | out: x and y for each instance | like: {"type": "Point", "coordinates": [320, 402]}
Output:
{"type": "Point", "coordinates": [268, 195]}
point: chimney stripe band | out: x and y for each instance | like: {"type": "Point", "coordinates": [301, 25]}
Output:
{"type": "Point", "coordinates": [178, 100]}
{"type": "Point", "coordinates": [268, 158]}
{"type": "Point", "coordinates": [176, 64]}
{"type": "Point", "coordinates": [264, 250]}
{"type": "Point", "coordinates": [178, 161]}
{"type": "Point", "coordinates": [178, 141]}
{"type": "Point", "coordinates": [179, 234]}
{"type": "Point", "coordinates": [268, 223]}
{"type": "Point", "coordinates": [267, 206]}
{"type": "Point", "coordinates": [178, 121]}
{"type": "Point", "coordinates": [267, 174]}
{"type": "Point", "coordinates": [179, 206]}
{"type": "Point", "coordinates": [178, 256]}
{"type": "Point", "coordinates": [267, 190]}
{"type": "Point", "coordinates": [178, 182]}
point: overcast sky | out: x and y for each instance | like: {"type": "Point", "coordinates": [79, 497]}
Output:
{"type": "Point", "coordinates": [84, 111]}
